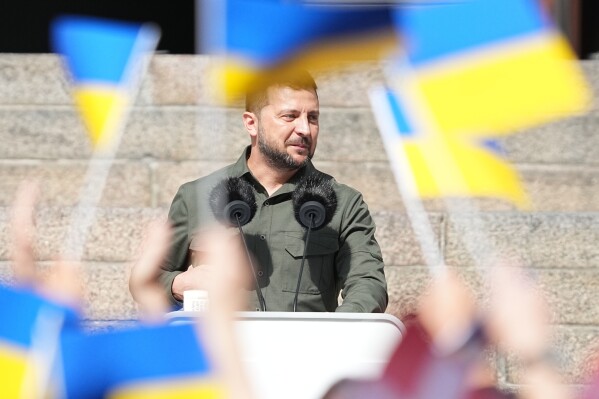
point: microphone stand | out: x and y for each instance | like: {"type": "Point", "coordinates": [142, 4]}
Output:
{"type": "Point", "coordinates": [247, 252]}
{"type": "Point", "coordinates": [302, 264]}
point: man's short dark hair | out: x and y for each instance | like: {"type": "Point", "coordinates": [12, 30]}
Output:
{"type": "Point", "coordinates": [257, 97]}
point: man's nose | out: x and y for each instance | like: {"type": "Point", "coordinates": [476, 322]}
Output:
{"type": "Point", "coordinates": [302, 125]}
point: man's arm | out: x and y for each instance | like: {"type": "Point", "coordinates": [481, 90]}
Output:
{"type": "Point", "coordinates": [359, 262]}
{"type": "Point", "coordinates": [176, 261]}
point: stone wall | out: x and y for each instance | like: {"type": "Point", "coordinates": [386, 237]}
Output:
{"type": "Point", "coordinates": [176, 134]}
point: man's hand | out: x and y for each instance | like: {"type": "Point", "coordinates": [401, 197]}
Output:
{"type": "Point", "coordinates": [221, 268]}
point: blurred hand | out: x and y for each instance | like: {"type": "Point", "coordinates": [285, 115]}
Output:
{"type": "Point", "coordinates": [63, 283]}
{"type": "Point", "coordinates": [143, 282]}
{"type": "Point", "coordinates": [518, 317]}
{"type": "Point", "coordinates": [220, 267]}
{"type": "Point", "coordinates": [447, 311]}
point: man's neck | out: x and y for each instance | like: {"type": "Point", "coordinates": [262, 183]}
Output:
{"type": "Point", "coordinates": [269, 177]}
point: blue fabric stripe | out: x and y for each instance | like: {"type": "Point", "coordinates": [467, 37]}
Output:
{"type": "Point", "coordinates": [432, 32]}
{"type": "Point", "coordinates": [97, 363]}
{"type": "Point", "coordinates": [401, 120]}
{"type": "Point", "coordinates": [20, 309]}
{"type": "Point", "coordinates": [267, 31]}
{"type": "Point", "coordinates": [494, 146]}
{"type": "Point", "coordinates": [95, 49]}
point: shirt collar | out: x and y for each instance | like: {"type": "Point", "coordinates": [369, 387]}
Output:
{"type": "Point", "coordinates": [240, 169]}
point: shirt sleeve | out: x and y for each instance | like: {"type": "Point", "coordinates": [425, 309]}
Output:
{"type": "Point", "coordinates": [177, 258]}
{"type": "Point", "coordinates": [359, 262]}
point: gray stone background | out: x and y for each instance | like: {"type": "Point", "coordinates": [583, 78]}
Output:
{"type": "Point", "coordinates": [175, 134]}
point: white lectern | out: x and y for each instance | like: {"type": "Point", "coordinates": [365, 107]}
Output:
{"type": "Point", "coordinates": [300, 355]}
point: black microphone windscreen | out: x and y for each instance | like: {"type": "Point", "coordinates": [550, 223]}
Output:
{"type": "Point", "coordinates": [227, 191]}
{"type": "Point", "coordinates": [317, 188]}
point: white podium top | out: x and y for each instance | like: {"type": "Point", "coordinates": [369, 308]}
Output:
{"type": "Point", "coordinates": [300, 355]}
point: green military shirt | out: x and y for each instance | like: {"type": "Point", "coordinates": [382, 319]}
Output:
{"type": "Point", "coordinates": [341, 257]}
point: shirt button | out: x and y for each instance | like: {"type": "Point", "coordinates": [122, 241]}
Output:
{"type": "Point", "coordinates": [260, 273]}
{"type": "Point", "coordinates": [262, 237]}
{"type": "Point", "coordinates": [266, 203]}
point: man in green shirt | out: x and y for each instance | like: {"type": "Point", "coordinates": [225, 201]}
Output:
{"type": "Point", "coordinates": [342, 257]}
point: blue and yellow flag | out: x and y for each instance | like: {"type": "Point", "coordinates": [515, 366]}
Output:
{"type": "Point", "coordinates": [488, 65]}
{"type": "Point", "coordinates": [142, 362]}
{"type": "Point", "coordinates": [104, 58]}
{"type": "Point", "coordinates": [442, 165]}
{"type": "Point", "coordinates": [261, 38]}
{"type": "Point", "coordinates": [24, 318]}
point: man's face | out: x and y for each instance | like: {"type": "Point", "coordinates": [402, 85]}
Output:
{"type": "Point", "coordinates": [288, 127]}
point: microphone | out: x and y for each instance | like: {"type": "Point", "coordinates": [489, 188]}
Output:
{"type": "Point", "coordinates": [314, 204]}
{"type": "Point", "coordinates": [233, 203]}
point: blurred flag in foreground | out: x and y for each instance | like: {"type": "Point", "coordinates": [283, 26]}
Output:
{"type": "Point", "coordinates": [143, 362]}
{"type": "Point", "coordinates": [441, 164]}
{"type": "Point", "coordinates": [26, 341]}
{"type": "Point", "coordinates": [260, 38]}
{"type": "Point", "coordinates": [488, 65]}
{"type": "Point", "coordinates": [104, 59]}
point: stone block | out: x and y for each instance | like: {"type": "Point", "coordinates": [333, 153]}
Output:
{"type": "Point", "coordinates": [536, 239]}
{"type": "Point", "coordinates": [169, 176]}
{"type": "Point", "coordinates": [405, 285]}
{"type": "Point", "coordinates": [27, 79]}
{"type": "Point", "coordinates": [128, 183]}
{"type": "Point", "coordinates": [42, 132]}
{"type": "Point", "coordinates": [115, 236]}
{"type": "Point", "coordinates": [569, 141]}
{"type": "Point", "coordinates": [184, 133]}
{"type": "Point", "coordinates": [577, 350]}
{"type": "Point", "coordinates": [571, 295]}
{"type": "Point", "coordinates": [397, 239]}
{"type": "Point", "coordinates": [348, 135]}
{"type": "Point", "coordinates": [472, 239]}
{"type": "Point", "coordinates": [177, 79]}
{"type": "Point", "coordinates": [561, 188]}
{"type": "Point", "coordinates": [373, 179]}
{"type": "Point", "coordinates": [106, 292]}
{"type": "Point", "coordinates": [563, 240]}
{"type": "Point", "coordinates": [591, 72]}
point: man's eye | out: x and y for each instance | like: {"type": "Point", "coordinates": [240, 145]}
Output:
{"type": "Point", "coordinates": [314, 119]}
{"type": "Point", "coordinates": [289, 116]}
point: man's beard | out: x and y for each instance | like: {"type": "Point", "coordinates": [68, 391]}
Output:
{"type": "Point", "coordinates": [279, 159]}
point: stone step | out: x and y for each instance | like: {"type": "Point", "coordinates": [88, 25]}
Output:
{"type": "Point", "coordinates": [547, 240]}
{"type": "Point", "coordinates": [184, 79]}
{"type": "Point", "coordinates": [205, 133]}
{"type": "Point", "coordinates": [148, 182]}
{"type": "Point", "coordinates": [538, 240]}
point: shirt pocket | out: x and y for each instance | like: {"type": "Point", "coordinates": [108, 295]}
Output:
{"type": "Point", "coordinates": [319, 266]}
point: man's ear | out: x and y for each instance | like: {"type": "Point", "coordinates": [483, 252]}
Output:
{"type": "Point", "coordinates": [250, 121]}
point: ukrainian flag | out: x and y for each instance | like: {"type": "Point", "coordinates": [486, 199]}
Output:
{"type": "Point", "coordinates": [489, 65]}
{"type": "Point", "coordinates": [20, 326]}
{"type": "Point", "coordinates": [143, 362]}
{"type": "Point", "coordinates": [103, 58]}
{"type": "Point", "coordinates": [262, 38]}
{"type": "Point", "coordinates": [442, 165]}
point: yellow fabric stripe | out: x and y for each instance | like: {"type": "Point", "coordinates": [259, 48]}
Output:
{"type": "Point", "coordinates": [518, 86]}
{"type": "Point", "coordinates": [102, 110]}
{"type": "Point", "coordinates": [13, 365]}
{"type": "Point", "coordinates": [236, 76]}
{"type": "Point", "coordinates": [452, 167]}
{"type": "Point", "coordinates": [172, 389]}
